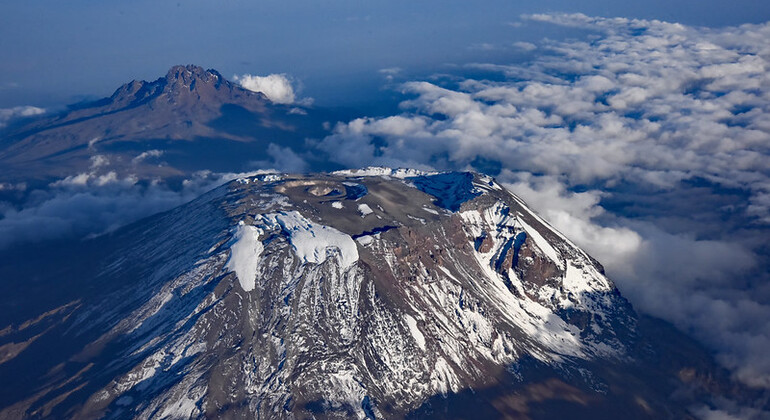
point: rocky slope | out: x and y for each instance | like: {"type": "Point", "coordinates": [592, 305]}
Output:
{"type": "Point", "coordinates": [361, 294]}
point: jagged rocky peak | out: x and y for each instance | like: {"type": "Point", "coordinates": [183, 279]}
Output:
{"type": "Point", "coordinates": [374, 293]}
{"type": "Point", "coordinates": [185, 83]}
{"type": "Point", "coordinates": [191, 78]}
{"type": "Point", "coordinates": [191, 74]}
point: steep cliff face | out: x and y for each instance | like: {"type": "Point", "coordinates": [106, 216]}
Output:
{"type": "Point", "coordinates": [369, 294]}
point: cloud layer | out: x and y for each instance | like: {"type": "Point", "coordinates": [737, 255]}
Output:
{"type": "Point", "coordinates": [649, 102]}
{"type": "Point", "coordinates": [646, 142]}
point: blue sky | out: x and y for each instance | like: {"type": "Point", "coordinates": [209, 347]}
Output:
{"type": "Point", "coordinates": [55, 52]}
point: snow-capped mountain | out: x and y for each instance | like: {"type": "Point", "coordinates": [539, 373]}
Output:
{"type": "Point", "coordinates": [375, 293]}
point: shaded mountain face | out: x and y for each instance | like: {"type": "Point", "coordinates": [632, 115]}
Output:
{"type": "Point", "coordinates": [357, 294]}
{"type": "Point", "coordinates": [195, 117]}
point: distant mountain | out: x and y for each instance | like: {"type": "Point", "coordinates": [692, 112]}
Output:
{"type": "Point", "coordinates": [196, 118]}
{"type": "Point", "coordinates": [359, 294]}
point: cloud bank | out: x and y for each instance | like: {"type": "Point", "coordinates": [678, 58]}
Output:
{"type": "Point", "coordinates": [97, 202]}
{"type": "Point", "coordinates": [647, 142]}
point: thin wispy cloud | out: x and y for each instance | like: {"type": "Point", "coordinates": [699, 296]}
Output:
{"type": "Point", "coordinates": [9, 114]}
{"type": "Point", "coordinates": [150, 154]}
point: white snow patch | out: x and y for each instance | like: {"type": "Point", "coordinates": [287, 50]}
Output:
{"type": "Point", "coordinates": [365, 210]}
{"type": "Point", "coordinates": [430, 211]}
{"type": "Point", "coordinates": [419, 219]}
{"type": "Point", "coordinates": [365, 240]}
{"type": "Point", "coordinates": [263, 175]}
{"type": "Point", "coordinates": [314, 243]}
{"type": "Point", "coordinates": [337, 205]}
{"type": "Point", "coordinates": [184, 408]}
{"type": "Point", "coordinates": [399, 173]}
{"type": "Point", "coordinates": [271, 178]}
{"type": "Point", "coordinates": [345, 388]}
{"type": "Point", "coordinates": [488, 183]}
{"type": "Point", "coordinates": [443, 378]}
{"type": "Point", "coordinates": [244, 255]}
{"type": "Point", "coordinates": [584, 279]}
{"type": "Point", "coordinates": [416, 333]}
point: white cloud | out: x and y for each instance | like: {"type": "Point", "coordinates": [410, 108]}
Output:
{"type": "Point", "coordinates": [94, 179]}
{"type": "Point", "coordinates": [276, 87]}
{"type": "Point", "coordinates": [728, 411]}
{"type": "Point", "coordinates": [8, 114]}
{"type": "Point", "coordinates": [97, 161]}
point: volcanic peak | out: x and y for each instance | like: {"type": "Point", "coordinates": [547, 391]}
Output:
{"type": "Point", "coordinates": [182, 83]}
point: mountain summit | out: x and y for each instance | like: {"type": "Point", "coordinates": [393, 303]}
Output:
{"type": "Point", "coordinates": [183, 86]}
{"type": "Point", "coordinates": [377, 293]}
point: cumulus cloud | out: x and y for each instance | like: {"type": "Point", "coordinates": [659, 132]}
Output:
{"type": "Point", "coordinates": [276, 87]}
{"type": "Point", "coordinates": [647, 142]}
{"type": "Point", "coordinates": [8, 114]}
